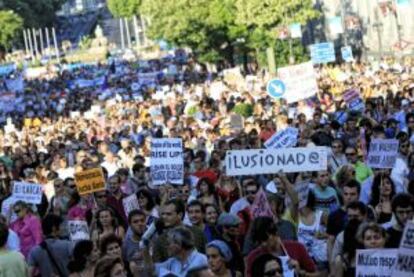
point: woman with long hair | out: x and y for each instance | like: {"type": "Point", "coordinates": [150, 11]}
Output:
{"type": "Point", "coordinates": [85, 256]}
{"type": "Point", "coordinates": [344, 265]}
{"type": "Point", "coordinates": [207, 192]}
{"type": "Point", "coordinates": [110, 267]}
{"type": "Point", "coordinates": [106, 224]}
{"type": "Point", "coordinates": [383, 190]}
{"type": "Point", "coordinates": [147, 203]}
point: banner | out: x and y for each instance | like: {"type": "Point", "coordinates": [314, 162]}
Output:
{"type": "Point", "coordinates": [6, 69]}
{"type": "Point", "coordinates": [353, 100]}
{"type": "Point", "coordinates": [260, 206]}
{"type": "Point", "coordinates": [283, 139]}
{"type": "Point", "coordinates": [405, 257]}
{"type": "Point", "coordinates": [266, 161]}
{"type": "Point", "coordinates": [322, 52]}
{"type": "Point", "coordinates": [89, 181]}
{"type": "Point", "coordinates": [130, 203]}
{"type": "Point", "coordinates": [15, 85]}
{"type": "Point", "coordinates": [382, 153]}
{"type": "Point", "coordinates": [27, 192]}
{"type": "Point", "coordinates": [166, 162]}
{"type": "Point", "coordinates": [78, 230]}
{"type": "Point", "coordinates": [299, 80]}
{"type": "Point", "coordinates": [375, 262]}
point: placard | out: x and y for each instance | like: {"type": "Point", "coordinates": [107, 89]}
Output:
{"type": "Point", "coordinates": [382, 153]}
{"type": "Point", "coordinates": [405, 257]}
{"type": "Point", "coordinates": [89, 181]}
{"type": "Point", "coordinates": [27, 192]}
{"type": "Point", "coordinates": [322, 52]}
{"type": "Point", "coordinates": [130, 203]}
{"type": "Point", "coordinates": [266, 161]}
{"type": "Point", "coordinates": [353, 100]}
{"type": "Point", "coordinates": [166, 161]}
{"type": "Point", "coordinates": [299, 80]}
{"type": "Point", "coordinates": [375, 262]}
{"type": "Point", "coordinates": [78, 230]}
{"type": "Point", "coordinates": [260, 206]}
{"type": "Point", "coordinates": [283, 139]}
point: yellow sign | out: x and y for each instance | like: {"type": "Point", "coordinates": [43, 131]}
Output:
{"type": "Point", "coordinates": [89, 181]}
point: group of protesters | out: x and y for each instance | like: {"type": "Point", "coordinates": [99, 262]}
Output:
{"type": "Point", "coordinates": [207, 224]}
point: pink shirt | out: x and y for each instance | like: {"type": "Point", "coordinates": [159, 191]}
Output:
{"type": "Point", "coordinates": [29, 230]}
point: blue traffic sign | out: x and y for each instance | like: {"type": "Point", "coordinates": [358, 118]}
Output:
{"type": "Point", "coordinates": [276, 88]}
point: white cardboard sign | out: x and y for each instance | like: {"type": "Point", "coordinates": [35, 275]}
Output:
{"type": "Point", "coordinates": [266, 161]}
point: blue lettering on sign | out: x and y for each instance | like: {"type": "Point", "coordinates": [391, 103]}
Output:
{"type": "Point", "coordinates": [276, 88]}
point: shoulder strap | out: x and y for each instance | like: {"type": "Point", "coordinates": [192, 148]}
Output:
{"type": "Point", "coordinates": [52, 259]}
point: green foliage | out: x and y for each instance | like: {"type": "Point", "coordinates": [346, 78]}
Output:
{"type": "Point", "coordinates": [215, 29]}
{"type": "Point", "coordinates": [124, 8]}
{"type": "Point", "coordinates": [243, 109]}
{"type": "Point", "coordinates": [10, 24]}
{"type": "Point", "coordinates": [35, 13]}
{"type": "Point", "coordinates": [206, 26]}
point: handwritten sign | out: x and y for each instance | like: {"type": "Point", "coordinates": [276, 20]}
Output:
{"type": "Point", "coordinates": [353, 100]}
{"type": "Point", "coordinates": [285, 138]}
{"type": "Point", "coordinates": [299, 80]}
{"type": "Point", "coordinates": [266, 161]}
{"type": "Point", "coordinates": [375, 262]}
{"type": "Point", "coordinates": [78, 230]}
{"type": "Point", "coordinates": [166, 161]}
{"type": "Point", "coordinates": [260, 206]}
{"type": "Point", "coordinates": [382, 153]}
{"type": "Point", "coordinates": [130, 203]}
{"type": "Point", "coordinates": [405, 257]}
{"type": "Point", "coordinates": [89, 181]}
{"type": "Point", "coordinates": [27, 192]}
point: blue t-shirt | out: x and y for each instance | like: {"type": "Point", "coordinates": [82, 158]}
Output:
{"type": "Point", "coordinates": [326, 200]}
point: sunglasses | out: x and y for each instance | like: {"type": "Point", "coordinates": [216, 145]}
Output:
{"type": "Point", "coordinates": [17, 211]}
{"type": "Point", "coordinates": [251, 191]}
{"type": "Point", "coordinates": [350, 154]}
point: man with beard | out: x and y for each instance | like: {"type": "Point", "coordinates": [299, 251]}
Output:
{"type": "Point", "coordinates": [403, 210]}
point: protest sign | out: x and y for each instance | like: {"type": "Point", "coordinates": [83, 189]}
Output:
{"type": "Point", "coordinates": [375, 262]}
{"type": "Point", "coordinates": [353, 100]}
{"type": "Point", "coordinates": [166, 162]}
{"type": "Point", "coordinates": [260, 206]}
{"type": "Point", "coordinates": [78, 230]}
{"type": "Point", "coordinates": [89, 181]}
{"type": "Point", "coordinates": [405, 258]}
{"type": "Point", "coordinates": [335, 25]}
{"type": "Point", "coordinates": [295, 30]}
{"type": "Point", "coordinates": [346, 53]}
{"type": "Point", "coordinates": [15, 85]}
{"type": "Point", "coordinates": [130, 203]}
{"type": "Point", "coordinates": [27, 192]}
{"type": "Point", "coordinates": [283, 139]}
{"type": "Point", "coordinates": [382, 153]}
{"type": "Point", "coordinates": [265, 161]}
{"type": "Point", "coordinates": [236, 122]}
{"type": "Point", "coordinates": [322, 52]}
{"type": "Point", "coordinates": [299, 80]}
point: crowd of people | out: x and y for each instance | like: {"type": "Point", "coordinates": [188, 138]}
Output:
{"type": "Point", "coordinates": [204, 226]}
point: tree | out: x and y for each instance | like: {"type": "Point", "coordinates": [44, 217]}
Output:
{"type": "Point", "coordinates": [263, 18]}
{"type": "Point", "coordinates": [35, 13]}
{"type": "Point", "coordinates": [124, 8]}
{"type": "Point", "coordinates": [208, 27]}
{"type": "Point", "coordinates": [10, 24]}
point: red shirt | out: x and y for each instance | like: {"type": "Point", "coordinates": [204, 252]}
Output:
{"type": "Point", "coordinates": [295, 251]}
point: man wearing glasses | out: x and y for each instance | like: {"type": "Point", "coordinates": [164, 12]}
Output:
{"type": "Point", "coordinates": [362, 171]}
